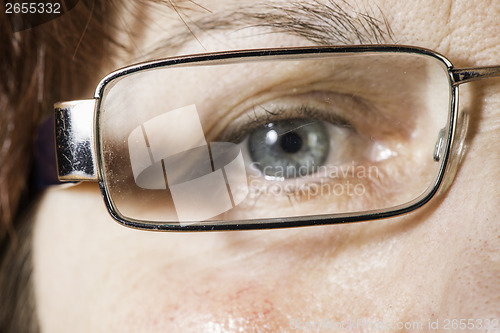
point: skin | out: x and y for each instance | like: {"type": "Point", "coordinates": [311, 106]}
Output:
{"type": "Point", "coordinates": [440, 262]}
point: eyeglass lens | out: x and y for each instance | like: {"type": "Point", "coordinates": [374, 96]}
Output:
{"type": "Point", "coordinates": [261, 139]}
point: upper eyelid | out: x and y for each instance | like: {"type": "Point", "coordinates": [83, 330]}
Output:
{"type": "Point", "coordinates": [346, 110]}
{"type": "Point", "coordinates": [285, 113]}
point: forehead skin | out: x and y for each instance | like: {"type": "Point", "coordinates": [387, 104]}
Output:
{"type": "Point", "coordinates": [441, 262]}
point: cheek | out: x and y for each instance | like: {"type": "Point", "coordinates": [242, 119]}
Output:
{"type": "Point", "coordinates": [66, 255]}
{"type": "Point", "coordinates": [470, 234]}
{"type": "Point", "coordinates": [93, 274]}
{"type": "Point", "coordinates": [201, 297]}
{"type": "Point", "coordinates": [474, 289]}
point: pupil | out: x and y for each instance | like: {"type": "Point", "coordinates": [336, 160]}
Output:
{"type": "Point", "coordinates": [291, 142]}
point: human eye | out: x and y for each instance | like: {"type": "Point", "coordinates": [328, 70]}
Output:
{"type": "Point", "coordinates": [291, 148]}
{"type": "Point", "coordinates": [316, 148]}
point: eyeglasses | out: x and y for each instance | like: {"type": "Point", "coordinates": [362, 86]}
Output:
{"type": "Point", "coordinates": [269, 138]}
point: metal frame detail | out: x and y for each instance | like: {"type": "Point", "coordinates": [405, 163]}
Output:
{"type": "Point", "coordinates": [76, 154]}
{"type": "Point", "coordinates": [79, 148]}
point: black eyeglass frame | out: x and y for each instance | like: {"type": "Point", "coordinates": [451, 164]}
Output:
{"type": "Point", "coordinates": [79, 161]}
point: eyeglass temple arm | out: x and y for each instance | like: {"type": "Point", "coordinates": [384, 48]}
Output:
{"type": "Point", "coordinates": [463, 75]}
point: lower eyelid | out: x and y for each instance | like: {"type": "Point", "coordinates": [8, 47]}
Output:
{"type": "Point", "coordinates": [337, 194]}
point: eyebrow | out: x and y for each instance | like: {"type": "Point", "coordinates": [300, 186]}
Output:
{"type": "Point", "coordinates": [322, 23]}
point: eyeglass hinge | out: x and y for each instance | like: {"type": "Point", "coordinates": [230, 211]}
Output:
{"type": "Point", "coordinates": [75, 152]}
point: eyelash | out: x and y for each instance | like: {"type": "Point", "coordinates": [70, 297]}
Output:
{"type": "Point", "coordinates": [256, 120]}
